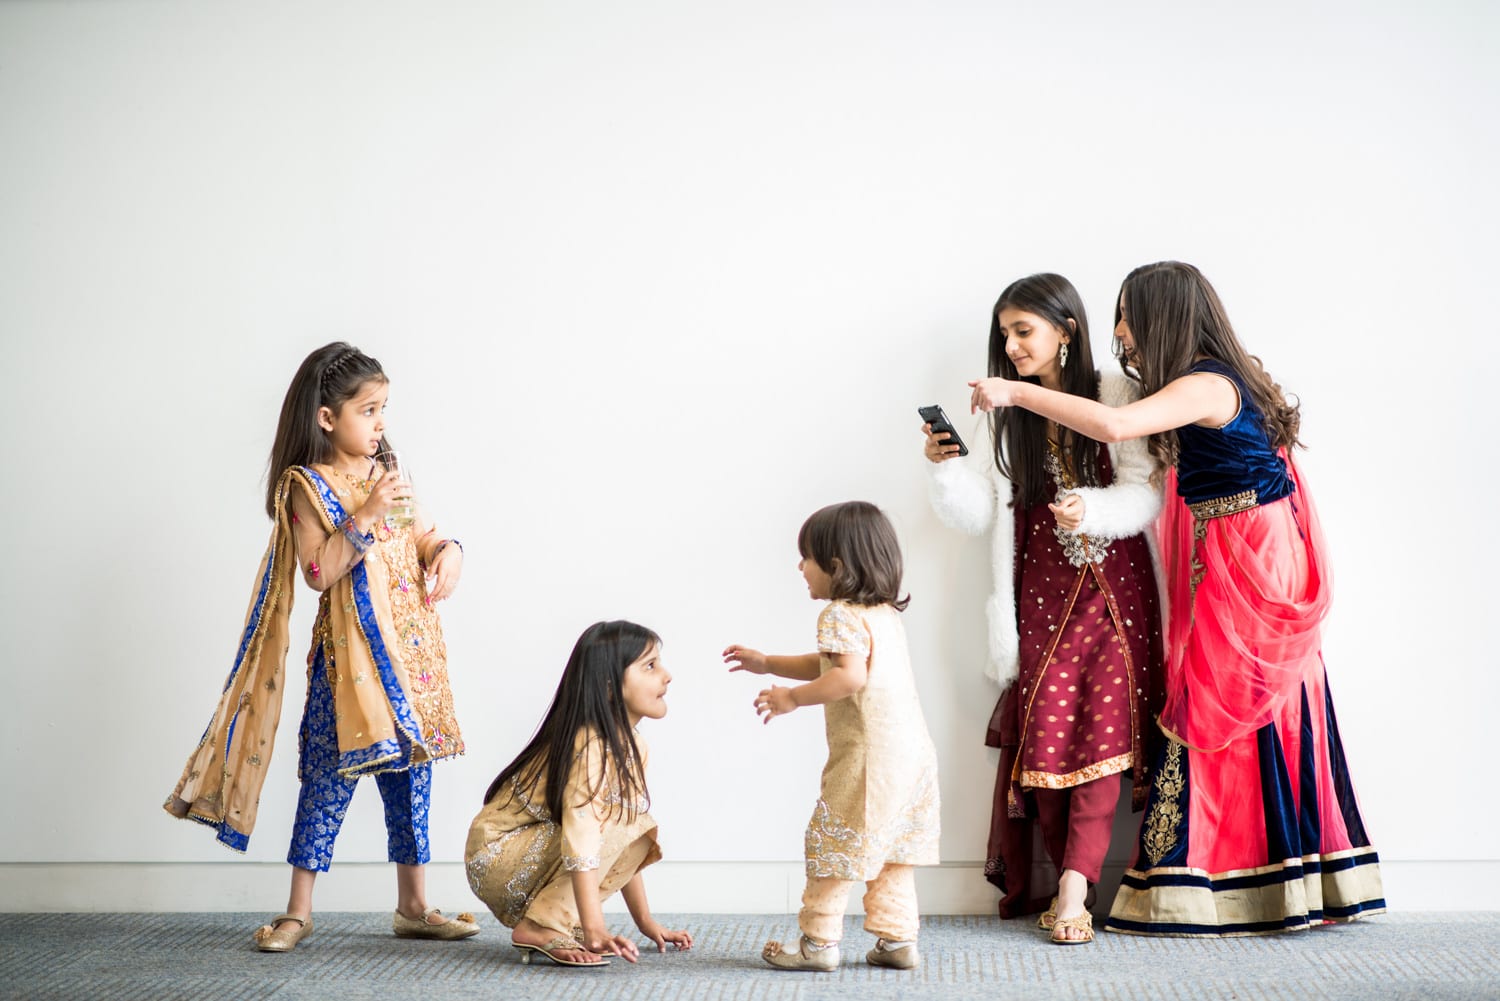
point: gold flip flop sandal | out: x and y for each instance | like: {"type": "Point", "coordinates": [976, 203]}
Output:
{"type": "Point", "coordinates": [1084, 923]}
{"type": "Point", "coordinates": [548, 950]}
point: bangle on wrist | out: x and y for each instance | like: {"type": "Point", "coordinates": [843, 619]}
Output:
{"type": "Point", "coordinates": [361, 541]}
{"type": "Point", "coordinates": [438, 550]}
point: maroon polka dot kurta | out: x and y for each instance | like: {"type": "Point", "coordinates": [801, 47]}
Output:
{"type": "Point", "coordinates": [1090, 650]}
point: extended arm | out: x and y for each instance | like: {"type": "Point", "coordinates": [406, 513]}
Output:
{"type": "Point", "coordinates": [1133, 499]}
{"type": "Point", "coordinates": [846, 674]}
{"type": "Point", "coordinates": [797, 667]}
{"type": "Point", "coordinates": [1200, 398]}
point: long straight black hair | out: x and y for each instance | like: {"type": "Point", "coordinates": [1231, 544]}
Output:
{"type": "Point", "coordinates": [1020, 436]}
{"type": "Point", "coordinates": [588, 697]}
{"type": "Point", "coordinates": [329, 377]}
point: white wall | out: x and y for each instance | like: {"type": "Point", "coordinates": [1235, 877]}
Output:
{"type": "Point", "coordinates": [654, 281]}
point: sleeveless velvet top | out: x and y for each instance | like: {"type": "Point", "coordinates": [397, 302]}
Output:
{"type": "Point", "coordinates": [1234, 462]}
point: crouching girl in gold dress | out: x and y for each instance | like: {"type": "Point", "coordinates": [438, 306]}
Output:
{"type": "Point", "coordinates": [565, 824]}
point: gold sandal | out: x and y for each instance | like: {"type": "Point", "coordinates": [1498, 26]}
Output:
{"type": "Point", "coordinates": [459, 926]}
{"type": "Point", "coordinates": [1048, 916]}
{"type": "Point", "coordinates": [1083, 923]}
{"type": "Point", "coordinates": [568, 944]}
{"type": "Point", "coordinates": [280, 936]}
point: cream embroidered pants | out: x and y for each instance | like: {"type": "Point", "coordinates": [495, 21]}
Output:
{"type": "Point", "coordinates": [554, 906]}
{"type": "Point", "coordinates": [890, 906]}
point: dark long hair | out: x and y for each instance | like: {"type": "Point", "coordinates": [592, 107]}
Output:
{"type": "Point", "coordinates": [861, 538]}
{"type": "Point", "coordinates": [1020, 436]}
{"type": "Point", "coordinates": [1175, 317]}
{"type": "Point", "coordinates": [588, 698]}
{"type": "Point", "coordinates": [329, 377]}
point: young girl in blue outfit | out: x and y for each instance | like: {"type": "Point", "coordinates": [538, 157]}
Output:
{"type": "Point", "coordinates": [378, 701]}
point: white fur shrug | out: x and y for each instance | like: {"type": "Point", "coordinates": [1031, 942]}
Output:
{"type": "Point", "coordinates": [971, 495]}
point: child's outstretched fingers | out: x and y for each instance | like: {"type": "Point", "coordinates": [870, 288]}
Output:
{"type": "Point", "coordinates": [774, 701]}
{"type": "Point", "coordinates": [742, 658]}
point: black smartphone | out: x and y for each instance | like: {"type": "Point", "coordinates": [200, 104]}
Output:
{"type": "Point", "coordinates": [934, 415]}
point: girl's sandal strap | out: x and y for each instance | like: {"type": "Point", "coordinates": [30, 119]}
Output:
{"type": "Point", "coordinates": [1082, 923]}
{"type": "Point", "coordinates": [1048, 916]}
{"type": "Point", "coordinates": [549, 951]}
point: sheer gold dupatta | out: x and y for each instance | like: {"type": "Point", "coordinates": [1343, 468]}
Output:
{"type": "Point", "coordinates": [220, 786]}
{"type": "Point", "coordinates": [378, 726]}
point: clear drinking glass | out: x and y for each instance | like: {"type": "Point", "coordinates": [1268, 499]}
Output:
{"type": "Point", "coordinates": [401, 515]}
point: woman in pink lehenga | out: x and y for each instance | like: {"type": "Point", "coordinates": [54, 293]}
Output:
{"type": "Point", "coordinates": [1251, 824]}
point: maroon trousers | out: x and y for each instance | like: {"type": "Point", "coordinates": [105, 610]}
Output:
{"type": "Point", "coordinates": [1077, 822]}
{"type": "Point", "coordinates": [1076, 825]}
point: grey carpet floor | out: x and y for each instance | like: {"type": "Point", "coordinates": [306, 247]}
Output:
{"type": "Point", "coordinates": [353, 956]}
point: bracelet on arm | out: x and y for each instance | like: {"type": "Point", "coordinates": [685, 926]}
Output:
{"type": "Point", "coordinates": [440, 546]}
{"type": "Point", "coordinates": [361, 541]}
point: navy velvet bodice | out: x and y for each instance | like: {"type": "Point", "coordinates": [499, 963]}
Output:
{"type": "Point", "coordinates": [1214, 463]}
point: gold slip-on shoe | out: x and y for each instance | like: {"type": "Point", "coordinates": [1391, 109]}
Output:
{"type": "Point", "coordinates": [459, 926]}
{"type": "Point", "coordinates": [1048, 916]}
{"type": "Point", "coordinates": [806, 956]}
{"type": "Point", "coordinates": [283, 933]}
{"type": "Point", "coordinates": [903, 957]}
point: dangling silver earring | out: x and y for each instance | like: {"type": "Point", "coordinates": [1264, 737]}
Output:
{"type": "Point", "coordinates": [1062, 355]}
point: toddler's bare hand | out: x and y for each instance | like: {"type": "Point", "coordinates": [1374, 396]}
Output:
{"type": "Point", "coordinates": [774, 701]}
{"type": "Point", "coordinates": [742, 658]}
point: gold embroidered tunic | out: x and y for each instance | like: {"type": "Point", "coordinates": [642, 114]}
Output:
{"type": "Point", "coordinates": [516, 848]}
{"type": "Point", "coordinates": [879, 798]}
{"type": "Point", "coordinates": [413, 635]}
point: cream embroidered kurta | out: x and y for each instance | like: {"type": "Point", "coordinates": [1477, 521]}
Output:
{"type": "Point", "coordinates": [516, 848]}
{"type": "Point", "coordinates": [879, 800]}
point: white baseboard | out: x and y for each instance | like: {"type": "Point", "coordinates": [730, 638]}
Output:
{"type": "Point", "coordinates": [675, 887]}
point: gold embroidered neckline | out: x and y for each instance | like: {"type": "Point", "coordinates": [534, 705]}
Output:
{"type": "Point", "coordinates": [1060, 468]}
{"type": "Point", "coordinates": [356, 480]}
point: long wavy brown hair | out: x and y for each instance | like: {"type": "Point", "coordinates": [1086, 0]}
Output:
{"type": "Point", "coordinates": [1175, 318]}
